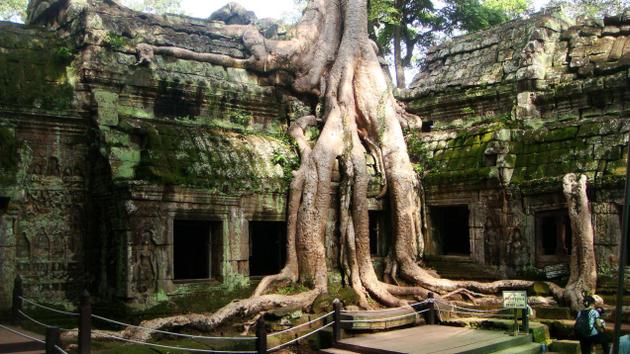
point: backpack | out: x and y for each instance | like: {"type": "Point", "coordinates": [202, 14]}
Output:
{"type": "Point", "coordinates": [582, 326]}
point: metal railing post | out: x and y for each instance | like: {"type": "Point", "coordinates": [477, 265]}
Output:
{"type": "Point", "coordinates": [18, 292]}
{"type": "Point", "coordinates": [261, 336]}
{"type": "Point", "coordinates": [336, 321]}
{"type": "Point", "coordinates": [431, 314]}
{"type": "Point", "coordinates": [53, 338]}
{"type": "Point", "coordinates": [85, 323]}
{"type": "Point", "coordinates": [525, 312]}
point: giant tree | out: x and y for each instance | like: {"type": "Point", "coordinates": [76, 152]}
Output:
{"type": "Point", "coordinates": [331, 57]}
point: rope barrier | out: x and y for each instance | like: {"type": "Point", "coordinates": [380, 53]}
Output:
{"type": "Point", "coordinates": [171, 333]}
{"type": "Point", "coordinates": [60, 350]}
{"type": "Point", "coordinates": [427, 301]}
{"type": "Point", "coordinates": [42, 324]}
{"type": "Point", "coordinates": [481, 314]}
{"type": "Point", "coordinates": [472, 312]}
{"type": "Point", "coordinates": [387, 318]}
{"type": "Point", "coordinates": [172, 347]}
{"type": "Point", "coordinates": [67, 313]}
{"type": "Point", "coordinates": [299, 338]}
{"type": "Point", "coordinates": [301, 325]}
{"type": "Point", "coordinates": [22, 334]}
{"type": "Point", "coordinates": [33, 320]}
{"type": "Point", "coordinates": [471, 309]}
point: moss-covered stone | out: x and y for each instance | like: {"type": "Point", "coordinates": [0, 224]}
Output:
{"type": "Point", "coordinates": [35, 72]}
{"type": "Point", "coordinates": [219, 160]}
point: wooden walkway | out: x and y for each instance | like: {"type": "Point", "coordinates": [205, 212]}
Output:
{"type": "Point", "coordinates": [437, 340]}
{"type": "Point", "coordinates": [12, 343]}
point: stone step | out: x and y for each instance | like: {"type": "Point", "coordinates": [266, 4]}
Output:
{"type": "Point", "coordinates": [529, 348]}
{"type": "Point", "coordinates": [457, 267]}
{"type": "Point", "coordinates": [556, 313]}
{"type": "Point", "coordinates": [565, 346]}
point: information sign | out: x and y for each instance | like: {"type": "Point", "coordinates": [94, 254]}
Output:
{"type": "Point", "coordinates": [515, 299]}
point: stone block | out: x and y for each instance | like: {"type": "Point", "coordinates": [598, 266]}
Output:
{"type": "Point", "coordinates": [107, 105]}
{"type": "Point", "coordinates": [7, 228]}
{"type": "Point", "coordinates": [607, 229]}
{"type": "Point", "coordinates": [577, 61]}
{"type": "Point", "coordinates": [587, 69]}
{"type": "Point", "coordinates": [617, 48]}
{"type": "Point", "coordinates": [565, 346]}
{"type": "Point", "coordinates": [610, 30]}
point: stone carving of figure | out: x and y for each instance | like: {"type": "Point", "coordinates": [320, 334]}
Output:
{"type": "Point", "coordinates": [41, 245]}
{"type": "Point", "coordinates": [23, 246]}
{"type": "Point", "coordinates": [146, 270]}
{"type": "Point", "coordinates": [52, 168]}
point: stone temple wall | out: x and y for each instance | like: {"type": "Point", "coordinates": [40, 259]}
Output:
{"type": "Point", "coordinates": [100, 156]}
{"type": "Point", "coordinates": [507, 113]}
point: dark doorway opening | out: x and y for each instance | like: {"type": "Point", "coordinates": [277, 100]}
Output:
{"type": "Point", "coordinates": [379, 241]}
{"type": "Point", "coordinates": [554, 235]}
{"type": "Point", "coordinates": [427, 126]}
{"type": "Point", "coordinates": [450, 231]}
{"type": "Point", "coordinates": [4, 204]}
{"type": "Point", "coordinates": [197, 249]}
{"type": "Point", "coordinates": [267, 247]}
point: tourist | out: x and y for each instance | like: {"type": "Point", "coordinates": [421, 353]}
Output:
{"type": "Point", "coordinates": [590, 328]}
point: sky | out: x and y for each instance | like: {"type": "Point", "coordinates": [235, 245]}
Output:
{"type": "Point", "coordinates": [263, 8]}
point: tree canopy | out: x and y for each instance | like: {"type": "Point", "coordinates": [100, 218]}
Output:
{"type": "Point", "coordinates": [15, 10]}
{"type": "Point", "coordinates": [11, 10]}
{"type": "Point", "coordinates": [591, 8]}
{"type": "Point", "coordinates": [414, 25]}
{"type": "Point", "coordinates": [154, 6]}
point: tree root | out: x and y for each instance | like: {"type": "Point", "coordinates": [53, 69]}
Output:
{"type": "Point", "coordinates": [240, 308]}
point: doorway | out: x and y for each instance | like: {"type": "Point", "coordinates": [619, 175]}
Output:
{"type": "Point", "coordinates": [450, 229]}
{"type": "Point", "coordinates": [196, 249]}
{"type": "Point", "coordinates": [267, 247]}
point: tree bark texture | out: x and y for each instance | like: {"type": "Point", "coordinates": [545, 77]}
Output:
{"type": "Point", "coordinates": [583, 270]}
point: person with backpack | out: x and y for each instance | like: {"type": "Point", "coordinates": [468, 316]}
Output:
{"type": "Point", "coordinates": [589, 328]}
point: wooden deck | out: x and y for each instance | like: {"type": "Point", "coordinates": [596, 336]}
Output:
{"type": "Point", "coordinates": [437, 340]}
{"type": "Point", "coordinates": [12, 343]}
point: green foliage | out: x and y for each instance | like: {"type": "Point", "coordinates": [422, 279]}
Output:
{"type": "Point", "coordinates": [476, 15]}
{"type": "Point", "coordinates": [114, 40]}
{"type": "Point", "coordinates": [155, 6]}
{"type": "Point", "coordinates": [413, 23]}
{"type": "Point", "coordinates": [605, 271]}
{"type": "Point", "coordinates": [590, 8]}
{"type": "Point", "coordinates": [288, 163]}
{"type": "Point", "coordinates": [531, 272]}
{"type": "Point", "coordinates": [13, 10]}
{"type": "Point", "coordinates": [35, 77]}
{"type": "Point", "coordinates": [63, 55]}
{"type": "Point", "coordinates": [511, 8]}
{"type": "Point", "coordinates": [292, 289]}
{"type": "Point", "coordinates": [418, 24]}
{"type": "Point", "coordinates": [240, 117]}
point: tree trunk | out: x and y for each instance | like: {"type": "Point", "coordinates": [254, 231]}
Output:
{"type": "Point", "coordinates": [398, 59]}
{"type": "Point", "coordinates": [583, 270]}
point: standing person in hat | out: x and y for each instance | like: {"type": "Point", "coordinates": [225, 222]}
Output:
{"type": "Point", "coordinates": [589, 329]}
